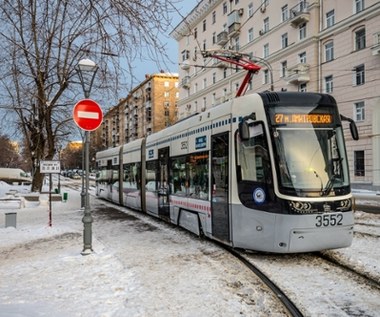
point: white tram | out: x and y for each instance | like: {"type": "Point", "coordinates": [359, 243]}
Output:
{"type": "Point", "coordinates": [264, 172]}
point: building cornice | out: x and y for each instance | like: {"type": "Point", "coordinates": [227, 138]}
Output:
{"type": "Point", "coordinates": [184, 28]}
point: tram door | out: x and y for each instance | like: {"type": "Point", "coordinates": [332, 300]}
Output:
{"type": "Point", "coordinates": [219, 193]}
{"type": "Point", "coordinates": [163, 183]}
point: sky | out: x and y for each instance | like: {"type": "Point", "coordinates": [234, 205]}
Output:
{"type": "Point", "coordinates": [185, 7]}
{"type": "Point", "coordinates": [143, 267]}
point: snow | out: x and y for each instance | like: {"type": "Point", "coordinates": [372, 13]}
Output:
{"type": "Point", "coordinates": [139, 267]}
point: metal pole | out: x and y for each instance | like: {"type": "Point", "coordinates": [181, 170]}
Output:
{"type": "Point", "coordinates": [82, 194]}
{"type": "Point", "coordinates": [87, 218]}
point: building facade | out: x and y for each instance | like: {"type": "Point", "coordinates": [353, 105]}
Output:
{"type": "Point", "coordinates": [330, 46]}
{"type": "Point", "coordinates": [148, 108]}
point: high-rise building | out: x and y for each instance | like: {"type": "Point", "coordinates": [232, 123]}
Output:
{"type": "Point", "coordinates": [330, 46]}
{"type": "Point", "coordinates": [149, 107]}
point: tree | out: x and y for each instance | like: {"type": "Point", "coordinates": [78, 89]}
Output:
{"type": "Point", "coordinates": [41, 43]}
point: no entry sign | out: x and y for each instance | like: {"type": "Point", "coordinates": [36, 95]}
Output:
{"type": "Point", "coordinates": [87, 115]}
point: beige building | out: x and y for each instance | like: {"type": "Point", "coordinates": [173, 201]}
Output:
{"type": "Point", "coordinates": [148, 108]}
{"type": "Point", "coordinates": [328, 46]}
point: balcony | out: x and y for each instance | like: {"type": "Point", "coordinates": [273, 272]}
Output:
{"type": "Point", "coordinates": [299, 14]}
{"type": "Point", "coordinates": [298, 74]}
{"type": "Point", "coordinates": [185, 65]}
{"type": "Point", "coordinates": [222, 38]}
{"type": "Point", "coordinates": [234, 29]}
{"type": "Point", "coordinates": [233, 21]}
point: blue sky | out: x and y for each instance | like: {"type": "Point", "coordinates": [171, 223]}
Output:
{"type": "Point", "coordinates": [150, 67]}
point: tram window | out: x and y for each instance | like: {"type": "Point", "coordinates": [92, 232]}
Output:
{"type": "Point", "coordinates": [253, 159]}
{"type": "Point", "coordinates": [179, 177]}
{"type": "Point", "coordinates": [198, 175]}
{"type": "Point", "coordinates": [151, 175]}
{"type": "Point", "coordinates": [189, 175]}
{"type": "Point", "coordinates": [131, 179]}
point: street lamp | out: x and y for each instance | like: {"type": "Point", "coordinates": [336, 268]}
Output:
{"type": "Point", "coordinates": [86, 70]}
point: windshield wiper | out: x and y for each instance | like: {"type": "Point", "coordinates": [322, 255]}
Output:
{"type": "Point", "coordinates": [329, 186]}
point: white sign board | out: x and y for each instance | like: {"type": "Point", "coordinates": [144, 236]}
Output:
{"type": "Point", "coordinates": [50, 167]}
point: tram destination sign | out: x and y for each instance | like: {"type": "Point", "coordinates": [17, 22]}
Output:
{"type": "Point", "coordinates": [303, 118]}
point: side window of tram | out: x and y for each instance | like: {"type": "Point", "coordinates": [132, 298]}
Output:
{"type": "Point", "coordinates": [253, 159]}
{"type": "Point", "coordinates": [151, 175]}
{"type": "Point", "coordinates": [189, 175]}
{"type": "Point", "coordinates": [131, 176]}
{"type": "Point", "coordinates": [178, 176]}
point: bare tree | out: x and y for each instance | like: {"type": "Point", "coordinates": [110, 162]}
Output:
{"type": "Point", "coordinates": [41, 43]}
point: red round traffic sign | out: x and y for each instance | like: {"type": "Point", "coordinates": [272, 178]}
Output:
{"type": "Point", "coordinates": [87, 115]}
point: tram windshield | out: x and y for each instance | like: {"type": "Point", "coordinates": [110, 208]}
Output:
{"type": "Point", "coordinates": [310, 155]}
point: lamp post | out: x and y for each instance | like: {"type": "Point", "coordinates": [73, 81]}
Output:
{"type": "Point", "coordinates": [86, 70]}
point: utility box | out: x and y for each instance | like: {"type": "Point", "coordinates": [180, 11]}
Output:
{"type": "Point", "coordinates": [10, 219]}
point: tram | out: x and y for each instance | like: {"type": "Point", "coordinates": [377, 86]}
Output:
{"type": "Point", "coordinates": [265, 171]}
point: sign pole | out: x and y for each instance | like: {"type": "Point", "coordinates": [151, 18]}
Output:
{"type": "Point", "coordinates": [88, 116]}
{"type": "Point", "coordinates": [50, 211]}
{"type": "Point", "coordinates": [87, 217]}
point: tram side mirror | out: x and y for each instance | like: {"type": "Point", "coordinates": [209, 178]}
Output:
{"type": "Point", "coordinates": [353, 127]}
{"type": "Point", "coordinates": [354, 131]}
{"type": "Point", "coordinates": [244, 130]}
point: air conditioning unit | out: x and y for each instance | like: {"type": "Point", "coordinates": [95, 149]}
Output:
{"type": "Point", "coordinates": [261, 32]}
{"type": "Point", "coordinates": [263, 8]}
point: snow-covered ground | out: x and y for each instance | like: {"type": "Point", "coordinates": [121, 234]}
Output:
{"type": "Point", "coordinates": [138, 267]}
{"type": "Point", "coordinates": [134, 270]}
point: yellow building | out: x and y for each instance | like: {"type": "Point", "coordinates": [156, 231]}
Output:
{"type": "Point", "coordinates": [148, 108]}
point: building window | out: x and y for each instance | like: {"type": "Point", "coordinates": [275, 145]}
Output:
{"type": "Point", "coordinates": [185, 55]}
{"type": "Point", "coordinates": [330, 18]}
{"type": "Point", "coordinates": [302, 87]}
{"type": "Point", "coordinates": [250, 9]}
{"type": "Point", "coordinates": [359, 165]}
{"type": "Point", "coordinates": [204, 45]}
{"type": "Point", "coordinates": [213, 78]}
{"type": "Point", "coordinates": [360, 39]}
{"type": "Point", "coordinates": [284, 40]}
{"type": "Point", "coordinates": [359, 6]}
{"type": "Point", "coordinates": [214, 38]}
{"type": "Point", "coordinates": [250, 35]}
{"type": "Point", "coordinates": [204, 83]}
{"type": "Point", "coordinates": [329, 84]}
{"type": "Point", "coordinates": [237, 43]}
{"type": "Point", "coordinates": [204, 26]}
{"type": "Point", "coordinates": [213, 18]}
{"type": "Point", "coordinates": [266, 50]}
{"type": "Point", "coordinates": [359, 111]}
{"type": "Point", "coordinates": [266, 25]}
{"type": "Point", "coordinates": [302, 57]}
{"type": "Point", "coordinates": [359, 75]}
{"type": "Point", "coordinates": [284, 13]}
{"type": "Point", "coordinates": [284, 67]}
{"type": "Point", "coordinates": [225, 8]}
{"type": "Point", "coordinates": [302, 31]}
{"type": "Point", "coordinates": [329, 51]}
{"type": "Point", "coordinates": [195, 33]}
{"type": "Point", "coordinates": [166, 94]}
{"type": "Point", "coordinates": [266, 77]}
{"type": "Point", "coordinates": [166, 84]}
{"type": "Point", "coordinates": [224, 72]}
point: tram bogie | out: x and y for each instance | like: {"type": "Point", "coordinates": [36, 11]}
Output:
{"type": "Point", "coordinates": [264, 172]}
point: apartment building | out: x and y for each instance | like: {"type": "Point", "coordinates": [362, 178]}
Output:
{"type": "Point", "coordinates": [149, 107]}
{"type": "Point", "coordinates": [328, 46]}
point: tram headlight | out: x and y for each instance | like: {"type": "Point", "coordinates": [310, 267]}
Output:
{"type": "Point", "coordinates": [344, 205]}
{"type": "Point", "coordinates": [300, 207]}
